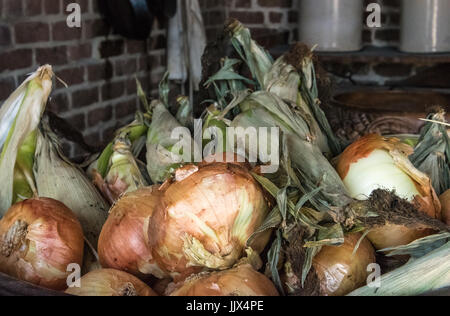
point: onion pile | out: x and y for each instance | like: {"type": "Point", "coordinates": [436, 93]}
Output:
{"type": "Point", "coordinates": [240, 281]}
{"type": "Point", "coordinates": [200, 219]}
{"type": "Point", "coordinates": [339, 270]}
{"type": "Point", "coordinates": [110, 282]}
{"type": "Point", "coordinates": [375, 162]}
{"type": "Point", "coordinates": [39, 238]}
{"type": "Point", "coordinates": [123, 242]}
{"type": "Point", "coordinates": [445, 201]}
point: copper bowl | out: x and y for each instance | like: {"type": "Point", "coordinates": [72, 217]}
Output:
{"type": "Point", "coordinates": [358, 113]}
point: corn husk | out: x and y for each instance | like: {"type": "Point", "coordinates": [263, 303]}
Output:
{"type": "Point", "coordinates": [19, 118]}
{"type": "Point", "coordinates": [59, 179]}
{"type": "Point", "coordinates": [123, 174]}
{"type": "Point", "coordinates": [423, 274]}
{"type": "Point", "coordinates": [185, 113]}
{"type": "Point", "coordinates": [432, 153]}
{"type": "Point", "coordinates": [163, 156]}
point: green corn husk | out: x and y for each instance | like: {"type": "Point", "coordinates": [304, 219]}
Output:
{"type": "Point", "coordinates": [19, 118]}
{"type": "Point", "coordinates": [427, 271]}
{"type": "Point", "coordinates": [432, 153]}
{"type": "Point", "coordinates": [185, 114]}
{"type": "Point", "coordinates": [59, 179]}
{"type": "Point", "coordinates": [123, 174]}
{"type": "Point", "coordinates": [163, 156]}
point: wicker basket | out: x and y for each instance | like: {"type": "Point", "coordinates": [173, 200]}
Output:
{"type": "Point", "coordinates": [358, 113]}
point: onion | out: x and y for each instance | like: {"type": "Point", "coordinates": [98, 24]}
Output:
{"type": "Point", "coordinates": [375, 162]}
{"type": "Point", "coordinates": [110, 282]}
{"type": "Point", "coordinates": [240, 281]}
{"type": "Point", "coordinates": [206, 216]}
{"type": "Point", "coordinates": [39, 238]}
{"type": "Point", "coordinates": [445, 201]}
{"type": "Point", "coordinates": [339, 271]}
{"type": "Point", "coordinates": [123, 242]}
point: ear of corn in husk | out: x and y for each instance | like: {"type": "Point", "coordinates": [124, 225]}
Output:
{"type": "Point", "coordinates": [432, 153]}
{"type": "Point", "coordinates": [123, 174]}
{"type": "Point", "coordinates": [19, 118]}
{"type": "Point", "coordinates": [59, 179]}
{"type": "Point", "coordinates": [424, 273]}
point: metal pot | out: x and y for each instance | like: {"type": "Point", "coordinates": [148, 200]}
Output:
{"type": "Point", "coordinates": [425, 26]}
{"type": "Point", "coordinates": [333, 25]}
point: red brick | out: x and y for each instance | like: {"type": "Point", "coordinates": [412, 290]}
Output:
{"type": "Point", "coordinates": [72, 76]}
{"type": "Point", "coordinates": [52, 6]}
{"type": "Point", "coordinates": [99, 115]}
{"type": "Point", "coordinates": [7, 86]}
{"type": "Point", "coordinates": [32, 32]}
{"type": "Point", "coordinates": [61, 32]}
{"type": "Point", "coordinates": [84, 5]}
{"type": "Point", "coordinates": [275, 3]}
{"type": "Point", "coordinates": [110, 48]}
{"type": "Point", "coordinates": [59, 102]}
{"type": "Point", "coordinates": [248, 17]}
{"type": "Point", "coordinates": [275, 17]}
{"type": "Point", "coordinates": [52, 55]}
{"type": "Point", "coordinates": [101, 71]}
{"type": "Point", "coordinates": [134, 47]}
{"type": "Point", "coordinates": [16, 59]}
{"type": "Point", "coordinates": [125, 109]}
{"type": "Point", "coordinates": [12, 8]}
{"type": "Point", "coordinates": [243, 4]}
{"type": "Point", "coordinates": [125, 67]}
{"type": "Point", "coordinates": [113, 90]}
{"type": "Point", "coordinates": [33, 7]}
{"type": "Point", "coordinates": [96, 28]}
{"type": "Point", "coordinates": [82, 98]}
{"type": "Point", "coordinates": [5, 35]}
{"type": "Point", "coordinates": [79, 52]}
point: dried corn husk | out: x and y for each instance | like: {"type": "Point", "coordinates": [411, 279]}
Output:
{"type": "Point", "coordinates": [58, 179]}
{"type": "Point", "coordinates": [423, 274]}
{"type": "Point", "coordinates": [432, 153]}
{"type": "Point", "coordinates": [19, 118]}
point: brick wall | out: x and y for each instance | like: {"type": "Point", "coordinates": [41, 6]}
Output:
{"type": "Point", "coordinates": [98, 66]}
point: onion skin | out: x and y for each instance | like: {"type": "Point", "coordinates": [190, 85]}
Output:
{"type": "Point", "coordinates": [205, 219]}
{"type": "Point", "coordinates": [240, 281]}
{"type": "Point", "coordinates": [339, 271]}
{"type": "Point", "coordinates": [123, 242]}
{"type": "Point", "coordinates": [425, 201]}
{"type": "Point", "coordinates": [109, 282]}
{"type": "Point", "coordinates": [445, 201]}
{"type": "Point", "coordinates": [50, 239]}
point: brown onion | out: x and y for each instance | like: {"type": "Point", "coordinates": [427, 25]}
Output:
{"type": "Point", "coordinates": [205, 219]}
{"type": "Point", "coordinates": [110, 282]}
{"type": "Point", "coordinates": [240, 281]}
{"type": "Point", "coordinates": [339, 271]}
{"type": "Point", "coordinates": [123, 242]}
{"type": "Point", "coordinates": [375, 162]}
{"type": "Point", "coordinates": [445, 202]}
{"type": "Point", "coordinates": [39, 238]}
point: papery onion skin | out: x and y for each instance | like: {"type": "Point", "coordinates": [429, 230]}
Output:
{"type": "Point", "coordinates": [209, 214]}
{"type": "Point", "coordinates": [339, 271]}
{"type": "Point", "coordinates": [240, 281]}
{"type": "Point", "coordinates": [445, 201]}
{"type": "Point", "coordinates": [123, 242]}
{"type": "Point", "coordinates": [51, 239]}
{"type": "Point", "coordinates": [109, 282]}
{"type": "Point", "coordinates": [399, 175]}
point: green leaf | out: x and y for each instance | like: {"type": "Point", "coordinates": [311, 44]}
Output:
{"type": "Point", "coordinates": [274, 258]}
